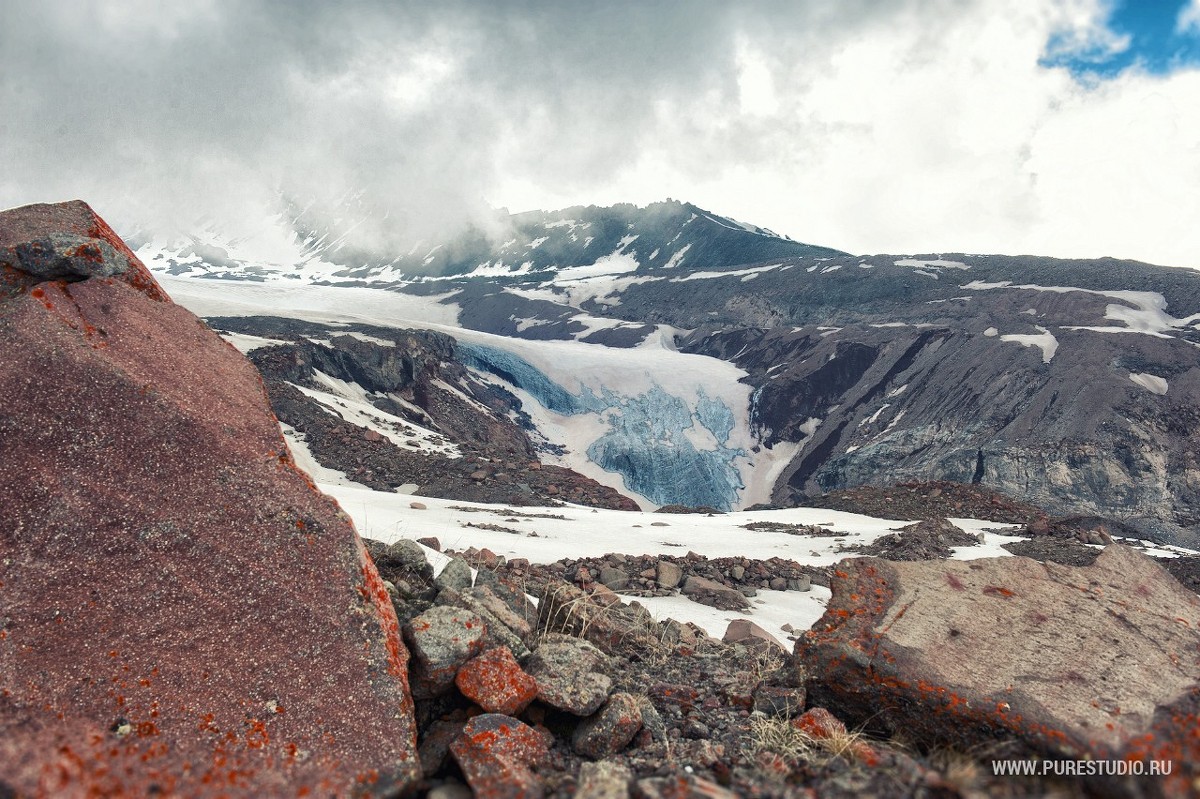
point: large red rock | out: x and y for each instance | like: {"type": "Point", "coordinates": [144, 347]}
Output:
{"type": "Point", "coordinates": [181, 611]}
{"type": "Point", "coordinates": [1095, 662]}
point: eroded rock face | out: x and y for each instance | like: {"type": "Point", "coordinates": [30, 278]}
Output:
{"type": "Point", "coordinates": [181, 612]}
{"type": "Point", "coordinates": [1096, 661]}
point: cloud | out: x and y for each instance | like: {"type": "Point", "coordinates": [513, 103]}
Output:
{"type": "Point", "coordinates": [1188, 20]}
{"type": "Point", "coordinates": [910, 126]}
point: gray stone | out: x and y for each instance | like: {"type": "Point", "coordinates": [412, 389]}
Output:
{"type": "Point", "coordinates": [714, 594]}
{"type": "Point", "coordinates": [443, 639]}
{"type": "Point", "coordinates": [614, 579]}
{"type": "Point", "coordinates": [409, 555]}
{"type": "Point", "coordinates": [570, 674]}
{"type": "Point", "coordinates": [610, 730]}
{"type": "Point", "coordinates": [456, 575]}
{"type": "Point", "coordinates": [603, 780]}
{"type": "Point", "coordinates": [801, 583]}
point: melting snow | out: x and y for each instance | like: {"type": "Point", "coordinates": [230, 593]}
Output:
{"type": "Point", "coordinates": [1044, 340]}
{"type": "Point", "coordinates": [677, 257]}
{"type": "Point", "coordinates": [935, 264]}
{"type": "Point", "coordinates": [1152, 383]}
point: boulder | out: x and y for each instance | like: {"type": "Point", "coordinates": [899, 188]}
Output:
{"type": "Point", "coordinates": [183, 612]}
{"type": "Point", "coordinates": [1098, 661]}
{"type": "Point", "coordinates": [496, 683]}
{"type": "Point", "coordinates": [749, 634]}
{"type": "Point", "coordinates": [496, 754]}
{"type": "Point", "coordinates": [714, 594]}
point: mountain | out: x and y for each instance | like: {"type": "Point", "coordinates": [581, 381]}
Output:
{"type": "Point", "coordinates": [300, 243]}
{"type": "Point", "coordinates": [683, 358]}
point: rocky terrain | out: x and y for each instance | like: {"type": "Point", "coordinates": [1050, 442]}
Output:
{"type": "Point", "coordinates": [184, 614]}
{"type": "Point", "coordinates": [592, 696]}
{"type": "Point", "coordinates": [447, 434]}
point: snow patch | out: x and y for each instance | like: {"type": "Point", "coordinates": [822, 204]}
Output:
{"type": "Point", "coordinates": [1152, 383]}
{"type": "Point", "coordinates": [1043, 340]}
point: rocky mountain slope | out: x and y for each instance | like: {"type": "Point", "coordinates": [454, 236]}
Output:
{"type": "Point", "coordinates": [184, 614]}
{"type": "Point", "coordinates": [1069, 384]}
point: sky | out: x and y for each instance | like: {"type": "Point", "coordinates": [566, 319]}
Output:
{"type": "Point", "coordinates": [1054, 127]}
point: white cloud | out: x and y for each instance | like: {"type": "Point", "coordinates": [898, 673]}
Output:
{"type": "Point", "coordinates": [913, 126]}
{"type": "Point", "coordinates": [1188, 20]}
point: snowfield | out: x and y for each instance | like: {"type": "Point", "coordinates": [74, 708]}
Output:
{"type": "Point", "coordinates": [592, 532]}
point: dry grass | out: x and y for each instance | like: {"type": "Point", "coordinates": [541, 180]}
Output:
{"type": "Point", "coordinates": [778, 736]}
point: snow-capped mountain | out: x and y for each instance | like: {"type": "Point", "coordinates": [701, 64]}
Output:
{"type": "Point", "coordinates": [300, 243]}
{"type": "Point", "coordinates": [683, 358]}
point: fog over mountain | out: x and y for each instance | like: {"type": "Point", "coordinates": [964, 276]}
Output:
{"type": "Point", "coordinates": [868, 127]}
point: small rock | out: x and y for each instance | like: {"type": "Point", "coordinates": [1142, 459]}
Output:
{"type": "Point", "coordinates": [408, 555]}
{"type": "Point", "coordinates": [431, 542]}
{"type": "Point", "coordinates": [496, 754]}
{"type": "Point", "coordinates": [819, 724]}
{"type": "Point", "coordinates": [801, 583]}
{"type": "Point", "coordinates": [435, 745]}
{"type": "Point", "coordinates": [747, 633]}
{"type": "Point", "coordinates": [669, 574]}
{"type": "Point", "coordinates": [737, 572]}
{"type": "Point", "coordinates": [779, 701]}
{"type": "Point", "coordinates": [714, 594]}
{"type": "Point", "coordinates": [569, 675]}
{"type": "Point", "coordinates": [495, 682]}
{"type": "Point", "coordinates": [603, 780]}
{"type": "Point", "coordinates": [442, 640]}
{"type": "Point", "coordinates": [418, 505]}
{"type": "Point", "coordinates": [456, 575]}
{"type": "Point", "coordinates": [613, 578]}
{"type": "Point", "coordinates": [610, 730]}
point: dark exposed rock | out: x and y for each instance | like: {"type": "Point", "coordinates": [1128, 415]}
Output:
{"type": "Point", "coordinates": [421, 381]}
{"type": "Point", "coordinates": [926, 540]}
{"type": "Point", "coordinates": [149, 510]}
{"type": "Point", "coordinates": [1095, 661]}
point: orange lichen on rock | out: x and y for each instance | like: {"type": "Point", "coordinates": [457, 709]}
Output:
{"type": "Point", "coordinates": [137, 467]}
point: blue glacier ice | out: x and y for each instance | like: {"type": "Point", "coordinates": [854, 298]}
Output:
{"type": "Point", "coordinates": [524, 375]}
{"type": "Point", "coordinates": [646, 445]}
{"type": "Point", "coordinates": [646, 442]}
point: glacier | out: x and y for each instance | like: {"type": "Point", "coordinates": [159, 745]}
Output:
{"type": "Point", "coordinates": [650, 438]}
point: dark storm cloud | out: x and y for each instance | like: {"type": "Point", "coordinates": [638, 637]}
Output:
{"type": "Point", "coordinates": [213, 107]}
